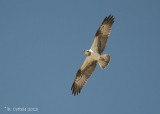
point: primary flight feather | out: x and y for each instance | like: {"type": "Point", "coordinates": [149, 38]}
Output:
{"type": "Point", "coordinates": [94, 55]}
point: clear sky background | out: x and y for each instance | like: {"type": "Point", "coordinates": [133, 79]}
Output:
{"type": "Point", "coordinates": [41, 43]}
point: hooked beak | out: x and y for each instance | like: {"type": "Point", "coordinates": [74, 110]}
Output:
{"type": "Point", "coordinates": [83, 50]}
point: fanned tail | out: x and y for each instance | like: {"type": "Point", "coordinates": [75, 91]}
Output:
{"type": "Point", "coordinates": [104, 60]}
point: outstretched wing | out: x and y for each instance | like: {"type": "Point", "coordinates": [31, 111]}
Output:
{"type": "Point", "coordinates": [102, 34]}
{"type": "Point", "coordinates": [83, 74]}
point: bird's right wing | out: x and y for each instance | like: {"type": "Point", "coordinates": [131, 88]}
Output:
{"type": "Point", "coordinates": [83, 74]}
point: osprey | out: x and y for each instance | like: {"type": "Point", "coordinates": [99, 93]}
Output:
{"type": "Point", "coordinates": [94, 55]}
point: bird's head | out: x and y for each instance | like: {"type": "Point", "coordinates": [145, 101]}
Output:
{"type": "Point", "coordinates": [87, 52]}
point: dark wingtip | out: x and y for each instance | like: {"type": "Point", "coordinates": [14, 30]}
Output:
{"type": "Point", "coordinates": [75, 90]}
{"type": "Point", "coordinates": [109, 19]}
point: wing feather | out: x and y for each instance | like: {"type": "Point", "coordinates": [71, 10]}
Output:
{"type": "Point", "coordinates": [102, 34]}
{"type": "Point", "coordinates": [83, 74]}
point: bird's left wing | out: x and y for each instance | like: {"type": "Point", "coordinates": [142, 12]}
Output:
{"type": "Point", "coordinates": [102, 34]}
{"type": "Point", "coordinates": [83, 74]}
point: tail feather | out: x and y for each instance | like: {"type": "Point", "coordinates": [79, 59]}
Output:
{"type": "Point", "coordinates": [104, 60]}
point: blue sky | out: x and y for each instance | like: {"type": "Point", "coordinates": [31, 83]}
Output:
{"type": "Point", "coordinates": [41, 45]}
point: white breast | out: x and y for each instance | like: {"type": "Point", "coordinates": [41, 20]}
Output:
{"type": "Point", "coordinates": [90, 50]}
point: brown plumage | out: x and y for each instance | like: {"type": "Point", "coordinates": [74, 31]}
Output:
{"type": "Point", "coordinates": [102, 34]}
{"type": "Point", "coordinates": [94, 55]}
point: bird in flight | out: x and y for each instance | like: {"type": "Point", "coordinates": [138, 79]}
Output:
{"type": "Point", "coordinates": [94, 55]}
